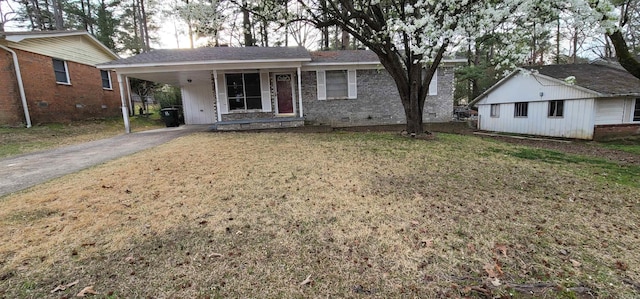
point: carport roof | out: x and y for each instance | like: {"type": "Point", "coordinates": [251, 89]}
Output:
{"type": "Point", "coordinates": [214, 55]}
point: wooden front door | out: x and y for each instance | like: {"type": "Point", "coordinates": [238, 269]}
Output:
{"type": "Point", "coordinates": [285, 94]}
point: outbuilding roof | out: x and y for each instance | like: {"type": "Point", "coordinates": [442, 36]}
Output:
{"type": "Point", "coordinates": [217, 54]}
{"type": "Point", "coordinates": [599, 78]}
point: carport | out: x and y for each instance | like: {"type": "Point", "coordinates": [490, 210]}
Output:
{"type": "Point", "coordinates": [200, 74]}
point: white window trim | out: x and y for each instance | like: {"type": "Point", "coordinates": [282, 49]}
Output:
{"type": "Point", "coordinates": [352, 85]}
{"type": "Point", "coordinates": [265, 93]}
{"type": "Point", "coordinates": [66, 71]}
{"type": "Point", "coordinates": [433, 85]}
{"type": "Point", "coordinates": [515, 111]}
{"type": "Point", "coordinates": [549, 107]}
{"type": "Point", "coordinates": [110, 82]}
{"type": "Point", "coordinates": [636, 102]}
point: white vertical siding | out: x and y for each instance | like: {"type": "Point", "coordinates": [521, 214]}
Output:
{"type": "Point", "coordinates": [610, 111]}
{"type": "Point", "coordinates": [577, 121]}
{"type": "Point", "coordinates": [198, 104]}
{"type": "Point", "coordinates": [527, 88]}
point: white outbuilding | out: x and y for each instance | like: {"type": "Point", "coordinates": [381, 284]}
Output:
{"type": "Point", "coordinates": [582, 101]}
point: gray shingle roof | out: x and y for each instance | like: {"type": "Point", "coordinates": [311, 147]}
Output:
{"type": "Point", "coordinates": [599, 78]}
{"type": "Point", "coordinates": [344, 56]}
{"type": "Point", "coordinates": [217, 54]}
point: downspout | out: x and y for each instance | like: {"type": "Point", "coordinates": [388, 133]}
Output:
{"type": "Point", "coordinates": [23, 97]}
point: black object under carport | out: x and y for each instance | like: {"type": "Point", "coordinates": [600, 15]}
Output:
{"type": "Point", "coordinates": [170, 116]}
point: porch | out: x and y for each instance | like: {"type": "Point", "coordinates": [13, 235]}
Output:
{"type": "Point", "coordinates": [258, 124]}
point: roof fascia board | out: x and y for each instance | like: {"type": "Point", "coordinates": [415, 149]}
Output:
{"type": "Point", "coordinates": [202, 62]}
{"type": "Point", "coordinates": [246, 65]}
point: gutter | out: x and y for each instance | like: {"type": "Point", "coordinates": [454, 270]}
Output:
{"type": "Point", "coordinates": [23, 97]}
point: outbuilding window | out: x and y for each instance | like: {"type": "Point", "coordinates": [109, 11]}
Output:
{"type": "Point", "coordinates": [495, 110]}
{"type": "Point", "coordinates": [106, 79]}
{"type": "Point", "coordinates": [556, 108]}
{"type": "Point", "coordinates": [243, 91]}
{"type": "Point", "coordinates": [636, 110]}
{"type": "Point", "coordinates": [521, 109]}
{"type": "Point", "coordinates": [61, 71]}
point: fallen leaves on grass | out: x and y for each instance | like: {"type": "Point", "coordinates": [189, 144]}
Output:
{"type": "Point", "coordinates": [63, 287]}
{"type": "Point", "coordinates": [501, 249]}
{"type": "Point", "coordinates": [86, 291]}
{"type": "Point", "coordinates": [306, 281]}
{"type": "Point", "coordinates": [575, 263]}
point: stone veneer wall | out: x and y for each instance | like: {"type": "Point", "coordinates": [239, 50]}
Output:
{"type": "Point", "coordinates": [378, 102]}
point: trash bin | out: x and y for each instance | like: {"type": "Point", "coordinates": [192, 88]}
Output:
{"type": "Point", "coordinates": [170, 117]}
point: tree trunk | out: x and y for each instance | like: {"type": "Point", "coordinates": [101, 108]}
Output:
{"type": "Point", "coordinates": [147, 43]}
{"type": "Point", "coordinates": [627, 60]}
{"type": "Point", "coordinates": [89, 18]}
{"type": "Point", "coordinates": [246, 24]}
{"type": "Point", "coordinates": [57, 15]}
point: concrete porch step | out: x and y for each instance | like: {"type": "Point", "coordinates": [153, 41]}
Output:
{"type": "Point", "coordinates": [258, 124]}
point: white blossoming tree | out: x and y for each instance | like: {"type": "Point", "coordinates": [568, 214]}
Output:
{"type": "Point", "coordinates": [412, 37]}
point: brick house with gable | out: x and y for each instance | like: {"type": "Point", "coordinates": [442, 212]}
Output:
{"type": "Point", "coordinates": [274, 87]}
{"type": "Point", "coordinates": [51, 76]}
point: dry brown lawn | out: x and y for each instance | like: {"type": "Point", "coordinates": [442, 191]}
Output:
{"type": "Point", "coordinates": [249, 215]}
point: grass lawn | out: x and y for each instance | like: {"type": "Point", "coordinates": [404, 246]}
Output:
{"type": "Point", "coordinates": [248, 215]}
{"type": "Point", "coordinates": [15, 141]}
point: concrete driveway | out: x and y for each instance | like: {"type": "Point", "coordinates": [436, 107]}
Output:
{"type": "Point", "coordinates": [24, 171]}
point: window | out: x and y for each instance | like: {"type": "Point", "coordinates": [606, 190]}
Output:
{"type": "Point", "coordinates": [556, 108]}
{"type": "Point", "coordinates": [521, 109]}
{"type": "Point", "coordinates": [433, 85]}
{"type": "Point", "coordinates": [61, 71]}
{"type": "Point", "coordinates": [339, 84]}
{"type": "Point", "coordinates": [636, 110]}
{"type": "Point", "coordinates": [106, 79]}
{"type": "Point", "coordinates": [495, 110]}
{"type": "Point", "coordinates": [243, 91]}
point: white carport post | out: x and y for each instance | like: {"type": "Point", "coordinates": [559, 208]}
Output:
{"type": "Point", "coordinates": [125, 108]}
{"type": "Point", "coordinates": [300, 93]}
{"type": "Point", "coordinates": [215, 83]}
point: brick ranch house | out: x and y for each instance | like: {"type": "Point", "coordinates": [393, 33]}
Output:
{"type": "Point", "coordinates": [582, 101]}
{"type": "Point", "coordinates": [51, 76]}
{"type": "Point", "coordinates": [258, 87]}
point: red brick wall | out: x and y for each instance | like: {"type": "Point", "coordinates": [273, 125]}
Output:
{"type": "Point", "coordinates": [11, 112]}
{"type": "Point", "coordinates": [51, 102]}
{"type": "Point", "coordinates": [603, 132]}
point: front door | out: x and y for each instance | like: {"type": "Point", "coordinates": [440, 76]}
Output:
{"type": "Point", "coordinates": [285, 94]}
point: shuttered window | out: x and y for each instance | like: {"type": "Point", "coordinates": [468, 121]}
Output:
{"type": "Point", "coordinates": [521, 109]}
{"type": "Point", "coordinates": [337, 84]}
{"type": "Point", "coordinates": [636, 111]}
{"type": "Point", "coordinates": [61, 71]}
{"type": "Point", "coordinates": [340, 84]}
